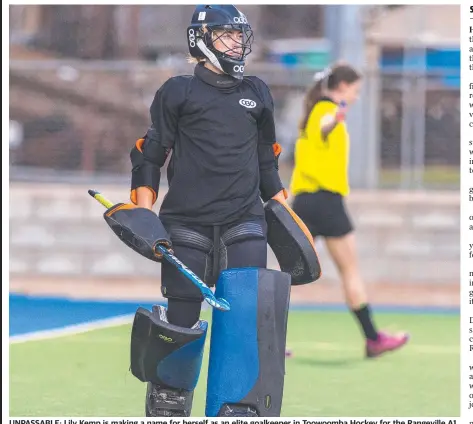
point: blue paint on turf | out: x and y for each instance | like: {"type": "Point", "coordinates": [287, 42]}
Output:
{"type": "Point", "coordinates": [32, 313]}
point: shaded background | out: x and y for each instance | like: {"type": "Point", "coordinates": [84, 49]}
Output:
{"type": "Point", "coordinates": [82, 79]}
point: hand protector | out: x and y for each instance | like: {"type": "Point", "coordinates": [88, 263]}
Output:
{"type": "Point", "coordinates": [139, 228]}
{"type": "Point", "coordinates": [291, 242]}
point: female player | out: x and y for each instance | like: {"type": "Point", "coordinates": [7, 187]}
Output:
{"type": "Point", "coordinates": [320, 184]}
{"type": "Point", "coordinates": [219, 126]}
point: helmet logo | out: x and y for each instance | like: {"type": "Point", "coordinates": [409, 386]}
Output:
{"type": "Point", "coordinates": [250, 104]}
{"type": "Point", "coordinates": [240, 20]}
{"type": "Point", "coordinates": [239, 68]}
{"type": "Point", "coordinates": [191, 37]}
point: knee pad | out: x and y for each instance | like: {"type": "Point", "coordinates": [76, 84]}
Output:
{"type": "Point", "coordinates": [166, 354]}
{"type": "Point", "coordinates": [247, 348]}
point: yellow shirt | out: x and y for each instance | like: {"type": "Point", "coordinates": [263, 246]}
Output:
{"type": "Point", "coordinates": [321, 164]}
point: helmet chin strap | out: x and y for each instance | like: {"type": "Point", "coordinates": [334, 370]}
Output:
{"type": "Point", "coordinates": [213, 59]}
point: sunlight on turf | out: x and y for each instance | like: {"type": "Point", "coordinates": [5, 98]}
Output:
{"type": "Point", "coordinates": [87, 374]}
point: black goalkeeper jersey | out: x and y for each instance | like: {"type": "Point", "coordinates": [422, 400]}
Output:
{"type": "Point", "coordinates": [221, 133]}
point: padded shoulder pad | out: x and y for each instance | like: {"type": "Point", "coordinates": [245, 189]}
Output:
{"type": "Point", "coordinates": [261, 89]}
{"type": "Point", "coordinates": [174, 92]}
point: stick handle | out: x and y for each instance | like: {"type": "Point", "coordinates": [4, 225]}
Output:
{"type": "Point", "coordinates": [97, 196]}
{"type": "Point", "coordinates": [221, 304]}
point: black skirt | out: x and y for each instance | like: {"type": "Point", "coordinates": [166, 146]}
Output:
{"type": "Point", "coordinates": [324, 213]}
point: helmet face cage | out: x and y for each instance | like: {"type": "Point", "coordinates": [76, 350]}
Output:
{"type": "Point", "coordinates": [241, 45]}
{"type": "Point", "coordinates": [211, 24]}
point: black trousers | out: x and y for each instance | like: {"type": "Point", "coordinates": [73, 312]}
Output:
{"type": "Point", "coordinates": [207, 251]}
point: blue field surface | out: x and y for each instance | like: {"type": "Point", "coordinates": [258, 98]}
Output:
{"type": "Point", "coordinates": [29, 314]}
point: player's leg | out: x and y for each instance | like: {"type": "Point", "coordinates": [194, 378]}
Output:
{"type": "Point", "coordinates": [246, 367]}
{"type": "Point", "coordinates": [168, 357]}
{"type": "Point", "coordinates": [341, 244]}
{"type": "Point", "coordinates": [342, 249]}
{"type": "Point", "coordinates": [167, 343]}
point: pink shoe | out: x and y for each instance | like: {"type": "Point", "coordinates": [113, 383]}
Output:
{"type": "Point", "coordinates": [288, 353]}
{"type": "Point", "coordinates": [385, 343]}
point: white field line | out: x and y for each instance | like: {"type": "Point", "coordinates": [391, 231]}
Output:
{"type": "Point", "coordinates": [72, 329]}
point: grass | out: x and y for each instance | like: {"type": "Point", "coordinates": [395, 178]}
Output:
{"type": "Point", "coordinates": [432, 177]}
{"type": "Point", "coordinates": [87, 374]}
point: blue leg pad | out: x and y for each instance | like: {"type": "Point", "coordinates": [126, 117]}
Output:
{"type": "Point", "coordinates": [247, 348]}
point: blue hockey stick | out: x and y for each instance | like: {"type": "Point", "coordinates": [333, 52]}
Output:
{"type": "Point", "coordinates": [209, 297]}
